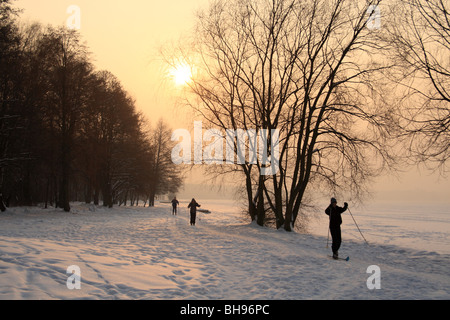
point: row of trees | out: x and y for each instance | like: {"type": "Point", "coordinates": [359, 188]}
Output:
{"type": "Point", "coordinates": [69, 132]}
{"type": "Point", "coordinates": [332, 85]}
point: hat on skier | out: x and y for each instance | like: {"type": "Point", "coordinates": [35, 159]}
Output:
{"type": "Point", "coordinates": [333, 200]}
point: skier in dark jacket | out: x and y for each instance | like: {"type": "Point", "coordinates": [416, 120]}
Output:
{"type": "Point", "coordinates": [175, 203]}
{"type": "Point", "coordinates": [193, 206]}
{"type": "Point", "coordinates": [334, 212]}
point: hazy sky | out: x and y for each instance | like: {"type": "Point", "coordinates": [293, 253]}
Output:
{"type": "Point", "coordinates": [125, 37]}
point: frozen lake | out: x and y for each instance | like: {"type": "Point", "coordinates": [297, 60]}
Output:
{"type": "Point", "coordinates": [418, 227]}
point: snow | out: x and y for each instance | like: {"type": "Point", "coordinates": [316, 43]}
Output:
{"type": "Point", "coordinates": [146, 253]}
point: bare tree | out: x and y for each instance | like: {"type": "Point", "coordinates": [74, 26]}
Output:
{"type": "Point", "coordinates": [420, 38]}
{"type": "Point", "coordinates": [165, 176]}
{"type": "Point", "coordinates": [306, 68]}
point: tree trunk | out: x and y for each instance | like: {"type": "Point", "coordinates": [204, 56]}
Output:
{"type": "Point", "coordinates": [2, 205]}
{"type": "Point", "coordinates": [96, 195]}
{"type": "Point", "coordinates": [26, 188]}
{"type": "Point", "coordinates": [88, 192]}
{"type": "Point", "coordinates": [251, 201]}
{"type": "Point", "coordinates": [261, 212]}
{"type": "Point", "coordinates": [107, 194]}
{"type": "Point", "coordinates": [65, 198]}
{"type": "Point", "coordinates": [151, 200]}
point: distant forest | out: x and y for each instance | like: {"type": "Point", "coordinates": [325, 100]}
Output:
{"type": "Point", "coordinates": [69, 132]}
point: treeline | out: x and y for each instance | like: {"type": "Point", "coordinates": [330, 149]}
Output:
{"type": "Point", "coordinates": [69, 132]}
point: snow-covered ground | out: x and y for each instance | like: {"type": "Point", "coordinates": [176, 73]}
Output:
{"type": "Point", "coordinates": [142, 253]}
{"type": "Point", "coordinates": [417, 227]}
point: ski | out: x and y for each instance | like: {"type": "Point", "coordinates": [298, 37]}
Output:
{"type": "Point", "coordinates": [346, 259]}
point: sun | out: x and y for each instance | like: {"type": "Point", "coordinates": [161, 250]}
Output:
{"type": "Point", "coordinates": [181, 74]}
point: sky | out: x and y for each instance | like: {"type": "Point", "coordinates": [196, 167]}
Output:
{"type": "Point", "coordinates": [126, 37]}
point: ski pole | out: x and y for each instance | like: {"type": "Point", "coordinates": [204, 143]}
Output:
{"type": "Point", "coordinates": [357, 226]}
{"type": "Point", "coordinates": [328, 240]}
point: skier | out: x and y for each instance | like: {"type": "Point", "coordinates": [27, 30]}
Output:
{"type": "Point", "coordinates": [193, 206]}
{"type": "Point", "coordinates": [334, 212]}
{"type": "Point", "coordinates": [175, 203]}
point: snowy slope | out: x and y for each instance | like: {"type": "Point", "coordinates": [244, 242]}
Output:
{"type": "Point", "coordinates": [142, 253]}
